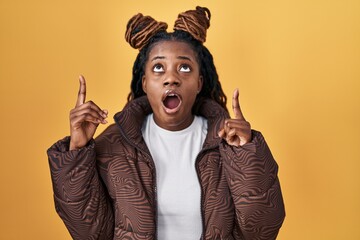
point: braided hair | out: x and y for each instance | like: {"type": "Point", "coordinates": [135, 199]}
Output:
{"type": "Point", "coordinates": [190, 27]}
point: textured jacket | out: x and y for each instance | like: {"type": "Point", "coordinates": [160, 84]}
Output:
{"type": "Point", "coordinates": [107, 190]}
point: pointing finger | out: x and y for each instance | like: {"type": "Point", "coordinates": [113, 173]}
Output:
{"type": "Point", "coordinates": [236, 105]}
{"type": "Point", "coordinates": [82, 91]}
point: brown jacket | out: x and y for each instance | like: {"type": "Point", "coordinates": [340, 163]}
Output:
{"type": "Point", "coordinates": [107, 189]}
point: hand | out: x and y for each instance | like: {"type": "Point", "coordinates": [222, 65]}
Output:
{"type": "Point", "coordinates": [236, 132]}
{"type": "Point", "coordinates": [84, 119]}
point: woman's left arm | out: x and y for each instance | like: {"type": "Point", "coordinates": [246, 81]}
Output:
{"type": "Point", "coordinates": [251, 173]}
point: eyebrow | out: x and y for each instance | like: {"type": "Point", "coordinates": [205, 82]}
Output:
{"type": "Point", "coordinates": [184, 58]}
{"type": "Point", "coordinates": [157, 57]}
{"type": "Point", "coordinates": [179, 57]}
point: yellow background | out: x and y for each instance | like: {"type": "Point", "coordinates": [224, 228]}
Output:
{"type": "Point", "coordinates": [297, 64]}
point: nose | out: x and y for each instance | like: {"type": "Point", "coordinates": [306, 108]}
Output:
{"type": "Point", "coordinates": [171, 79]}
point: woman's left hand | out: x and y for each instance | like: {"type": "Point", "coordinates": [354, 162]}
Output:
{"type": "Point", "coordinates": [237, 131]}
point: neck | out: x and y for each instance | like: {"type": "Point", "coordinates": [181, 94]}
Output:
{"type": "Point", "coordinates": [175, 125]}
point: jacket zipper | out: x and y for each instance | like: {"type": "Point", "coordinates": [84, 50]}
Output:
{"type": "Point", "coordinates": [201, 153]}
{"type": "Point", "coordinates": [201, 192]}
{"type": "Point", "coordinates": [155, 178]}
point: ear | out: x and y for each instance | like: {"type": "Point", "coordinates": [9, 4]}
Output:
{"type": "Point", "coordinates": [143, 81]}
{"type": "Point", "coordinates": [200, 83]}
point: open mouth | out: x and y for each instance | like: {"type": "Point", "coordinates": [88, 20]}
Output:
{"type": "Point", "coordinates": [171, 101]}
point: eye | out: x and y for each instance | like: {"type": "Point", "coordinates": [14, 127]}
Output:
{"type": "Point", "coordinates": [158, 68]}
{"type": "Point", "coordinates": [185, 68]}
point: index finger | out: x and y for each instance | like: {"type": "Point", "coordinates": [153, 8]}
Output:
{"type": "Point", "coordinates": [236, 105]}
{"type": "Point", "coordinates": [82, 91]}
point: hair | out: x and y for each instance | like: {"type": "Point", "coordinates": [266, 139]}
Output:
{"type": "Point", "coordinates": [144, 33]}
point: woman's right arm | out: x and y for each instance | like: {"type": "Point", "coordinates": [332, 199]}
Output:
{"type": "Point", "coordinates": [81, 200]}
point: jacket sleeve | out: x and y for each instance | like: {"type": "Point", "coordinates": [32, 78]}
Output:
{"type": "Point", "coordinates": [80, 196]}
{"type": "Point", "coordinates": [251, 173]}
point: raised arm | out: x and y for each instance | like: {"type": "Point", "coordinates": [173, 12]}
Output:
{"type": "Point", "coordinates": [80, 197]}
{"type": "Point", "coordinates": [251, 173]}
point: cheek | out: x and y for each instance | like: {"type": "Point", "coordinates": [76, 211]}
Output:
{"type": "Point", "coordinates": [191, 94]}
{"type": "Point", "coordinates": [152, 90]}
{"type": "Point", "coordinates": [151, 87]}
{"type": "Point", "coordinates": [149, 83]}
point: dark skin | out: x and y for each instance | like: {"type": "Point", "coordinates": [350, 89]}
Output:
{"type": "Point", "coordinates": [237, 131]}
{"type": "Point", "coordinates": [86, 117]}
{"type": "Point", "coordinates": [172, 67]}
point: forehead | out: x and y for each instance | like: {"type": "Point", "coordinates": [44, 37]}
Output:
{"type": "Point", "coordinates": [172, 48]}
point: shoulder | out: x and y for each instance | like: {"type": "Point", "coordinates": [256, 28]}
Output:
{"type": "Point", "coordinates": [210, 109]}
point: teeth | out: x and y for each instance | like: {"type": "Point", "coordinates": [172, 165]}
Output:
{"type": "Point", "coordinates": [169, 93]}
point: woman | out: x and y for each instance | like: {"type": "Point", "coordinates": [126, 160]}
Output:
{"type": "Point", "coordinates": [174, 165]}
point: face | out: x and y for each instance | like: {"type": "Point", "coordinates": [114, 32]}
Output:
{"type": "Point", "coordinates": [171, 82]}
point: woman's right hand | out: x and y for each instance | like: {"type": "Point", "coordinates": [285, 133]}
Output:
{"type": "Point", "coordinates": [84, 119]}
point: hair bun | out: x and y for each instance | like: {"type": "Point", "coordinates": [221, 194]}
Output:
{"type": "Point", "coordinates": [141, 28]}
{"type": "Point", "coordinates": [195, 22]}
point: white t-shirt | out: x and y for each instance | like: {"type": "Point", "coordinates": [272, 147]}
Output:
{"type": "Point", "coordinates": [178, 187]}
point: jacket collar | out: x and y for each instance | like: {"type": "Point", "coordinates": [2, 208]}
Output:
{"type": "Point", "coordinates": [131, 118]}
